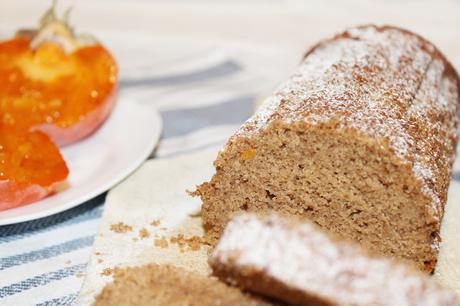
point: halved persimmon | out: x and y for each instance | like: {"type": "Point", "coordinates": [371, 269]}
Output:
{"type": "Point", "coordinates": [56, 82]}
{"type": "Point", "coordinates": [56, 87]}
{"type": "Point", "coordinates": [31, 167]}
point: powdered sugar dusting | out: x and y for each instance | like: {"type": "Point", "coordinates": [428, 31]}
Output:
{"type": "Point", "coordinates": [305, 258]}
{"type": "Point", "coordinates": [385, 83]}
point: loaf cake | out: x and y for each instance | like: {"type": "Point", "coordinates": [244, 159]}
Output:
{"type": "Point", "coordinates": [160, 285]}
{"type": "Point", "coordinates": [300, 264]}
{"type": "Point", "coordinates": [360, 140]}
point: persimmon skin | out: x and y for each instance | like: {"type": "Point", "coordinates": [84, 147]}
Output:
{"type": "Point", "coordinates": [14, 195]}
{"type": "Point", "coordinates": [67, 96]}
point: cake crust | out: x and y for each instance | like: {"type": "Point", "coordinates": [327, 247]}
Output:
{"type": "Point", "coordinates": [381, 106]}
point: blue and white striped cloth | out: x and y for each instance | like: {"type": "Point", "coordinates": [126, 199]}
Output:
{"type": "Point", "coordinates": [202, 94]}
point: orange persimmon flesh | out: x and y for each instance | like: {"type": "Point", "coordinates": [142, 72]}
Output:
{"type": "Point", "coordinates": [30, 167]}
{"type": "Point", "coordinates": [47, 97]}
{"type": "Point", "coordinates": [67, 96]}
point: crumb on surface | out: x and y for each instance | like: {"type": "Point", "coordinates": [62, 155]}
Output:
{"type": "Point", "coordinates": [143, 233]}
{"type": "Point", "coordinates": [100, 260]}
{"type": "Point", "coordinates": [161, 243]}
{"type": "Point", "coordinates": [193, 243]}
{"type": "Point", "coordinates": [80, 275]}
{"type": "Point", "coordinates": [135, 239]}
{"type": "Point", "coordinates": [107, 271]}
{"type": "Point", "coordinates": [97, 253]}
{"type": "Point", "coordinates": [121, 227]}
{"type": "Point", "coordinates": [155, 222]}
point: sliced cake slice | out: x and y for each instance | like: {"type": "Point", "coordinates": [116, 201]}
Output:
{"type": "Point", "coordinates": [160, 285]}
{"type": "Point", "coordinates": [300, 264]}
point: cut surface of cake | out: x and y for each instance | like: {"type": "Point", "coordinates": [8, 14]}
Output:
{"type": "Point", "coordinates": [160, 285]}
{"type": "Point", "coordinates": [360, 140]}
{"type": "Point", "coordinates": [300, 264]}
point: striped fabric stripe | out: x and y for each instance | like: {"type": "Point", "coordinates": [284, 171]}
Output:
{"type": "Point", "coordinates": [55, 250]}
{"type": "Point", "coordinates": [215, 144]}
{"type": "Point", "coordinates": [90, 210]}
{"type": "Point", "coordinates": [184, 121]}
{"type": "Point", "coordinates": [40, 280]}
{"type": "Point", "coordinates": [60, 301]}
{"type": "Point", "coordinates": [201, 139]}
{"type": "Point", "coordinates": [220, 70]}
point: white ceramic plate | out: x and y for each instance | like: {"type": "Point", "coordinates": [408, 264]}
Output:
{"type": "Point", "coordinates": [100, 161]}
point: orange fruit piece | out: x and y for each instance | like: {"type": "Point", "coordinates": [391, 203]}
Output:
{"type": "Point", "coordinates": [65, 95]}
{"type": "Point", "coordinates": [31, 167]}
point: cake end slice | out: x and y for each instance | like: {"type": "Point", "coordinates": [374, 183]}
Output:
{"type": "Point", "coordinates": [300, 264]}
